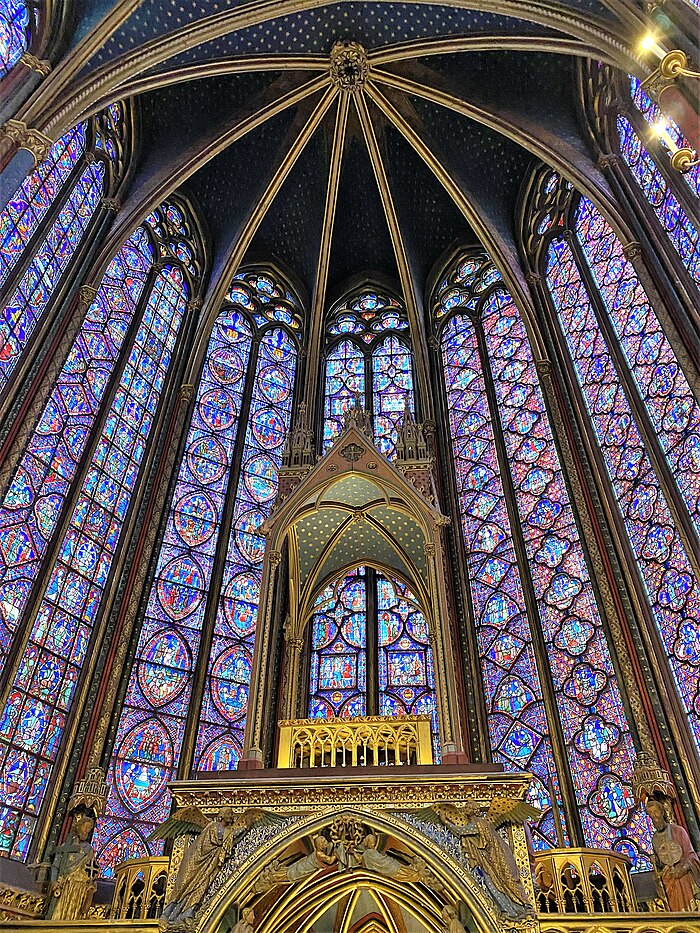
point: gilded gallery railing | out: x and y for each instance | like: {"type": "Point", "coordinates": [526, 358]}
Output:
{"type": "Point", "coordinates": [139, 888]}
{"type": "Point", "coordinates": [583, 881]}
{"type": "Point", "coordinates": [352, 743]}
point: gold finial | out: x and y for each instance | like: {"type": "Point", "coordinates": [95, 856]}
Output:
{"type": "Point", "coordinates": [90, 792]}
{"type": "Point", "coordinates": [349, 66]}
{"type": "Point", "coordinates": [649, 779]}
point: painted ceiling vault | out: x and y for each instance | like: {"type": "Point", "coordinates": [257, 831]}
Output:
{"type": "Point", "coordinates": [428, 145]}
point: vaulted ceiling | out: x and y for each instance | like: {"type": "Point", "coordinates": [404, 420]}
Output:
{"type": "Point", "coordinates": [238, 106]}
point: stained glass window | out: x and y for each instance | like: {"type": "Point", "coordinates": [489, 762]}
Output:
{"type": "Point", "coordinates": [344, 629]}
{"type": "Point", "coordinates": [670, 582]}
{"type": "Point", "coordinates": [368, 360]}
{"type": "Point", "coordinates": [338, 651]}
{"type": "Point", "coordinates": [36, 714]}
{"type": "Point", "coordinates": [56, 202]}
{"type": "Point", "coordinates": [504, 447]}
{"type": "Point", "coordinates": [239, 375]}
{"type": "Point", "coordinates": [15, 35]}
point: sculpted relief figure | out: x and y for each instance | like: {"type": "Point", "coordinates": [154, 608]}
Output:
{"type": "Point", "coordinates": [212, 846]}
{"type": "Point", "coordinates": [486, 850]}
{"type": "Point", "coordinates": [677, 863]}
{"type": "Point", "coordinates": [73, 872]}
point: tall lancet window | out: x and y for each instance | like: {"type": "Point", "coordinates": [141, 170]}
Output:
{"type": "Point", "coordinates": [644, 132]}
{"type": "Point", "coordinates": [17, 20]}
{"type": "Point", "coordinates": [539, 632]}
{"type": "Point", "coordinates": [187, 696]}
{"type": "Point", "coordinates": [45, 223]}
{"type": "Point", "coordinates": [368, 358]}
{"type": "Point", "coordinates": [370, 650]}
{"type": "Point", "coordinates": [644, 418]}
{"type": "Point", "coordinates": [73, 486]}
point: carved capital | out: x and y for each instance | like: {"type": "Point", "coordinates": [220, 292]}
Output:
{"type": "Point", "coordinates": [544, 368]}
{"type": "Point", "coordinates": [533, 278]}
{"type": "Point", "coordinates": [86, 296]}
{"type": "Point", "coordinates": [632, 250]}
{"type": "Point", "coordinates": [40, 65]}
{"type": "Point", "coordinates": [275, 557]}
{"type": "Point", "coordinates": [186, 393]}
{"type": "Point", "coordinates": [196, 304]}
{"type": "Point", "coordinates": [111, 204]}
{"type": "Point", "coordinates": [608, 160]}
{"type": "Point", "coordinates": [429, 550]}
{"type": "Point", "coordinates": [24, 137]}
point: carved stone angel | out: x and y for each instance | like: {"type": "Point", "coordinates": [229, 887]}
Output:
{"type": "Point", "coordinates": [486, 850]}
{"type": "Point", "coordinates": [212, 844]}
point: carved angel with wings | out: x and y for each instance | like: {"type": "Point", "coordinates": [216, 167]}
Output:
{"type": "Point", "coordinates": [485, 848]}
{"type": "Point", "coordinates": [212, 843]}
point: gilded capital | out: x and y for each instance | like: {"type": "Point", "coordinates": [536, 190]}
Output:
{"type": "Point", "coordinates": [632, 250]}
{"type": "Point", "coordinates": [86, 295]}
{"type": "Point", "coordinates": [40, 65]}
{"type": "Point", "coordinates": [186, 393]}
{"type": "Point", "coordinates": [24, 137]}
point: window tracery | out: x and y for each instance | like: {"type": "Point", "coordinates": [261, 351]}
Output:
{"type": "Point", "coordinates": [370, 650]}
{"type": "Point", "coordinates": [521, 537]}
{"type": "Point", "coordinates": [226, 483]}
{"type": "Point", "coordinates": [643, 415]}
{"type": "Point", "coordinates": [368, 357]}
{"type": "Point", "coordinates": [116, 380]}
{"type": "Point", "coordinates": [46, 221]}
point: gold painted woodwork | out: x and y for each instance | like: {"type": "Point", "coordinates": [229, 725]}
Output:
{"type": "Point", "coordinates": [583, 881]}
{"type": "Point", "coordinates": [362, 741]}
{"type": "Point", "coordinates": [139, 888]}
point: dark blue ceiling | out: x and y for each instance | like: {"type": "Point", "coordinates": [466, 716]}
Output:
{"type": "Point", "coordinates": [314, 31]}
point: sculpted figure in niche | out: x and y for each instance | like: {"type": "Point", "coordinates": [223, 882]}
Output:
{"type": "Point", "coordinates": [212, 846]}
{"type": "Point", "coordinates": [487, 852]}
{"type": "Point", "coordinates": [677, 863]}
{"type": "Point", "coordinates": [450, 918]}
{"type": "Point", "coordinates": [73, 872]}
{"type": "Point", "coordinates": [245, 924]}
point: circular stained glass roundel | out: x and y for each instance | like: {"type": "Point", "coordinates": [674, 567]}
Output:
{"type": "Point", "coordinates": [180, 587]}
{"type": "Point", "coordinates": [230, 677]}
{"type": "Point", "coordinates": [250, 543]}
{"type": "Point", "coordinates": [195, 518]}
{"type": "Point", "coordinates": [226, 366]}
{"type": "Point", "coordinates": [241, 603]}
{"type": "Point", "coordinates": [261, 478]}
{"type": "Point", "coordinates": [218, 409]}
{"type": "Point", "coordinates": [144, 759]}
{"type": "Point", "coordinates": [274, 383]}
{"type": "Point", "coordinates": [206, 458]}
{"type": "Point", "coordinates": [163, 668]}
{"type": "Point", "coordinates": [268, 428]}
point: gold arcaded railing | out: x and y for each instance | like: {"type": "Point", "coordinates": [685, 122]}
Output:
{"type": "Point", "coordinates": [583, 881]}
{"type": "Point", "coordinates": [139, 888]}
{"type": "Point", "coordinates": [353, 743]}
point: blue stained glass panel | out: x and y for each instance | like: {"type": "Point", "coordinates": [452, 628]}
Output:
{"type": "Point", "coordinates": [663, 562]}
{"type": "Point", "coordinates": [152, 721]}
{"type": "Point", "coordinates": [338, 678]}
{"type": "Point", "coordinates": [15, 33]}
{"type": "Point", "coordinates": [345, 383]}
{"type": "Point", "coordinates": [29, 205]}
{"type": "Point", "coordinates": [24, 308]}
{"type": "Point", "coordinates": [44, 687]}
{"type": "Point", "coordinates": [34, 501]}
{"type": "Point", "coordinates": [392, 390]}
{"type": "Point", "coordinates": [223, 714]}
